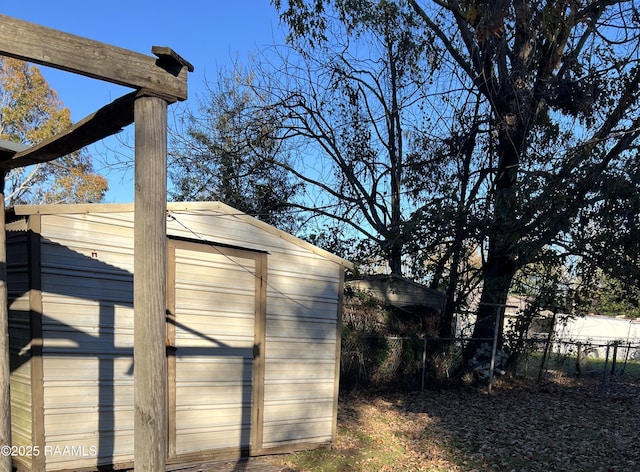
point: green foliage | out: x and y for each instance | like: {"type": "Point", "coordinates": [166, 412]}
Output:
{"type": "Point", "coordinates": [613, 298]}
{"type": "Point", "coordinates": [606, 236]}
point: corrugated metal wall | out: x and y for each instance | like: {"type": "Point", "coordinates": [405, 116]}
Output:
{"type": "Point", "coordinates": [20, 340]}
{"type": "Point", "coordinates": [87, 323]}
{"type": "Point", "coordinates": [214, 338]}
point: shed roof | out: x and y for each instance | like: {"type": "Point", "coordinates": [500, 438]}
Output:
{"type": "Point", "coordinates": [203, 208]}
{"type": "Point", "coordinates": [9, 147]}
{"type": "Point", "coordinates": [398, 291]}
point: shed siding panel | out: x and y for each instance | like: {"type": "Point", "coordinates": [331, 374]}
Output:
{"type": "Point", "coordinates": [88, 231]}
{"type": "Point", "coordinates": [87, 324]}
{"type": "Point", "coordinates": [300, 352]}
{"type": "Point", "coordinates": [214, 338]}
{"type": "Point", "coordinates": [20, 338]}
{"type": "Point", "coordinates": [281, 432]}
{"type": "Point", "coordinates": [227, 229]}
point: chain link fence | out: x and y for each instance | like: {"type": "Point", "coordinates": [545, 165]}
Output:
{"type": "Point", "coordinates": [580, 358]}
{"type": "Point", "coordinates": [378, 361]}
{"type": "Point", "coordinates": [413, 363]}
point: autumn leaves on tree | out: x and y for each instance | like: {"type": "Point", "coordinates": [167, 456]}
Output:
{"type": "Point", "coordinates": [30, 112]}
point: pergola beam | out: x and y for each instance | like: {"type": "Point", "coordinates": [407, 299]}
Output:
{"type": "Point", "coordinates": [34, 43]}
{"type": "Point", "coordinates": [105, 122]}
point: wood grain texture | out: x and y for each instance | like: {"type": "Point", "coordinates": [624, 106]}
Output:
{"type": "Point", "coordinates": [149, 285]}
{"type": "Point", "coordinates": [5, 372]}
{"type": "Point", "coordinates": [49, 47]}
{"type": "Point", "coordinates": [108, 120]}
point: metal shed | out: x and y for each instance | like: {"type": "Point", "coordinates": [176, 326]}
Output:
{"type": "Point", "coordinates": [252, 335]}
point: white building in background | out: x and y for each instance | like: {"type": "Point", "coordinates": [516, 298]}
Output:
{"type": "Point", "coordinates": [599, 329]}
{"type": "Point", "coordinates": [592, 329]}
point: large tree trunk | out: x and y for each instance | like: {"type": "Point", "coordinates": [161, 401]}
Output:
{"type": "Point", "coordinates": [504, 233]}
{"type": "Point", "coordinates": [499, 271]}
{"type": "Point", "coordinates": [498, 274]}
{"type": "Point", "coordinates": [395, 258]}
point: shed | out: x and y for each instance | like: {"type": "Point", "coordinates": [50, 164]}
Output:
{"type": "Point", "coordinates": [252, 336]}
{"type": "Point", "coordinates": [410, 300]}
{"type": "Point", "coordinates": [399, 292]}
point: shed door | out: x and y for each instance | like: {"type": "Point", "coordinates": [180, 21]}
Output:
{"type": "Point", "coordinates": [216, 337]}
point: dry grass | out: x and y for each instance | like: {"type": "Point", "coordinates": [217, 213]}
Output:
{"type": "Point", "coordinates": [566, 426]}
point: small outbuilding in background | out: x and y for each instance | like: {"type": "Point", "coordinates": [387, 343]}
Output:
{"type": "Point", "coordinates": [410, 300]}
{"type": "Point", "coordinates": [252, 343]}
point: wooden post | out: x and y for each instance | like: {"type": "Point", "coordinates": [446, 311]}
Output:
{"type": "Point", "coordinates": [149, 285]}
{"type": "Point", "coordinates": [603, 386]}
{"type": "Point", "coordinates": [5, 372]}
{"type": "Point", "coordinates": [424, 362]}
{"type": "Point", "coordinates": [579, 359]}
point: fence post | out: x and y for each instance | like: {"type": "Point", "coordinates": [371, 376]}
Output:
{"type": "Point", "coordinates": [626, 358]}
{"type": "Point", "coordinates": [613, 359]}
{"type": "Point", "coordinates": [547, 346]}
{"type": "Point", "coordinates": [424, 362]}
{"type": "Point", "coordinates": [494, 348]}
{"type": "Point", "coordinates": [604, 371]}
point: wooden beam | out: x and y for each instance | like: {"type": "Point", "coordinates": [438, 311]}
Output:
{"type": "Point", "coordinates": [170, 61]}
{"type": "Point", "coordinates": [109, 120]}
{"type": "Point", "coordinates": [49, 47]}
{"type": "Point", "coordinates": [5, 372]}
{"type": "Point", "coordinates": [150, 286]}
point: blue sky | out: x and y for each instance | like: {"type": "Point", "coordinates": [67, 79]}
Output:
{"type": "Point", "coordinates": [207, 33]}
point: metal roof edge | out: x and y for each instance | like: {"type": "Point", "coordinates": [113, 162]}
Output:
{"type": "Point", "coordinates": [69, 208]}
{"type": "Point", "coordinates": [228, 210]}
{"type": "Point", "coordinates": [72, 208]}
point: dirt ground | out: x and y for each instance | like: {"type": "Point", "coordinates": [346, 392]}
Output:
{"type": "Point", "coordinates": [556, 426]}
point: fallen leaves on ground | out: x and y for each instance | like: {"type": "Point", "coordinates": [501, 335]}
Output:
{"type": "Point", "coordinates": [571, 426]}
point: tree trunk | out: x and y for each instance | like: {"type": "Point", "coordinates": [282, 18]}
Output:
{"type": "Point", "coordinates": [504, 232]}
{"type": "Point", "coordinates": [498, 275]}
{"type": "Point", "coordinates": [395, 258]}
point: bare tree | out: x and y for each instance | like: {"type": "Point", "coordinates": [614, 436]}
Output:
{"type": "Point", "coordinates": [554, 87]}
{"type": "Point", "coordinates": [347, 113]}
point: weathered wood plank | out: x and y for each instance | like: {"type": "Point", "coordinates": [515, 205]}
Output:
{"type": "Point", "coordinates": [5, 372]}
{"type": "Point", "coordinates": [150, 285]}
{"type": "Point", "coordinates": [108, 120]}
{"type": "Point", "coordinates": [49, 47]}
{"type": "Point", "coordinates": [253, 464]}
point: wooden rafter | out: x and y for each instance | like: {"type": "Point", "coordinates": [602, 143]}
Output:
{"type": "Point", "coordinates": [164, 76]}
{"type": "Point", "coordinates": [107, 121]}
